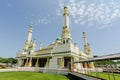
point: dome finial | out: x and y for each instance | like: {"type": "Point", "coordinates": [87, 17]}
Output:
{"type": "Point", "coordinates": [30, 26]}
{"type": "Point", "coordinates": [65, 7]}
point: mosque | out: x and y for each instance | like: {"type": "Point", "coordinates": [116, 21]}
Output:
{"type": "Point", "coordinates": [58, 54]}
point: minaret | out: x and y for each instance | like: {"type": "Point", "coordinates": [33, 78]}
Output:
{"type": "Point", "coordinates": [40, 46]}
{"type": "Point", "coordinates": [84, 38]}
{"type": "Point", "coordinates": [66, 17]}
{"type": "Point", "coordinates": [34, 44]}
{"type": "Point", "coordinates": [85, 42]}
{"type": "Point", "coordinates": [66, 35]}
{"type": "Point", "coordinates": [87, 48]}
{"type": "Point", "coordinates": [30, 34]}
{"type": "Point", "coordinates": [28, 41]}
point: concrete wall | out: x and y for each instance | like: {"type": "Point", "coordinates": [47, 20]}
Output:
{"type": "Point", "coordinates": [53, 62]}
{"type": "Point", "coordinates": [59, 48]}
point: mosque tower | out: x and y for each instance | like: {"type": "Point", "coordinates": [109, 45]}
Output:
{"type": "Point", "coordinates": [29, 44]}
{"type": "Point", "coordinates": [85, 42]}
{"type": "Point", "coordinates": [66, 35]}
{"type": "Point", "coordinates": [87, 48]}
{"type": "Point", "coordinates": [30, 34]}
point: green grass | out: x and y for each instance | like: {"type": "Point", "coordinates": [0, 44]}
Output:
{"type": "Point", "coordinates": [30, 76]}
{"type": "Point", "coordinates": [105, 76]}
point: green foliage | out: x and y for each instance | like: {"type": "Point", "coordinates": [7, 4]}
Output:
{"type": "Point", "coordinates": [118, 62]}
{"type": "Point", "coordinates": [12, 60]}
{"type": "Point", "coordinates": [30, 76]}
{"type": "Point", "coordinates": [0, 59]}
{"type": "Point", "coordinates": [8, 60]}
{"type": "Point", "coordinates": [106, 62]}
{"type": "Point", "coordinates": [105, 75]}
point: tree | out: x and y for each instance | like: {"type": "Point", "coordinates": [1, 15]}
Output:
{"type": "Point", "coordinates": [0, 60]}
{"type": "Point", "coordinates": [8, 60]}
{"type": "Point", "coordinates": [12, 60]}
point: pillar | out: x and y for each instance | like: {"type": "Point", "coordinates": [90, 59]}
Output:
{"type": "Point", "coordinates": [30, 62]}
{"type": "Point", "coordinates": [47, 63]}
{"type": "Point", "coordinates": [91, 65]}
{"type": "Point", "coordinates": [74, 65]}
{"type": "Point", "coordinates": [19, 62]}
{"type": "Point", "coordinates": [62, 62]}
{"type": "Point", "coordinates": [22, 63]}
{"type": "Point", "coordinates": [37, 63]}
{"type": "Point", "coordinates": [26, 63]}
{"type": "Point", "coordinates": [85, 65]}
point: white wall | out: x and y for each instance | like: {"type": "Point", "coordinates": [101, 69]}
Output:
{"type": "Point", "coordinates": [62, 48]}
{"type": "Point", "coordinates": [53, 62]}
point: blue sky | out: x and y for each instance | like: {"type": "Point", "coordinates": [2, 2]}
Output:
{"type": "Point", "coordinates": [100, 19]}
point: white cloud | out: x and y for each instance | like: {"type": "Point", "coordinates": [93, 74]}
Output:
{"type": "Point", "coordinates": [39, 20]}
{"type": "Point", "coordinates": [101, 12]}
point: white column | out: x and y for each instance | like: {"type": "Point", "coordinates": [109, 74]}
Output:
{"type": "Point", "coordinates": [37, 63]}
{"type": "Point", "coordinates": [29, 34]}
{"type": "Point", "coordinates": [66, 20]}
{"type": "Point", "coordinates": [84, 38]}
{"type": "Point", "coordinates": [30, 62]}
{"type": "Point", "coordinates": [19, 62]}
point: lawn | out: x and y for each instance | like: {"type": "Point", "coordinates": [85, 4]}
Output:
{"type": "Point", "coordinates": [105, 76]}
{"type": "Point", "coordinates": [30, 76]}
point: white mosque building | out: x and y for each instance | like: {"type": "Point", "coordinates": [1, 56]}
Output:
{"type": "Point", "coordinates": [56, 55]}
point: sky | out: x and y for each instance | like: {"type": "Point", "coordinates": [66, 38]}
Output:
{"type": "Point", "coordinates": [100, 19]}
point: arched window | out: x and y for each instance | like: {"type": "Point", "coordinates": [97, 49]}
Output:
{"type": "Point", "coordinates": [66, 41]}
{"type": "Point", "coordinates": [63, 41]}
{"type": "Point", "coordinates": [29, 53]}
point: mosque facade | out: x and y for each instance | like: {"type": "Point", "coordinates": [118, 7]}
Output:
{"type": "Point", "coordinates": [59, 54]}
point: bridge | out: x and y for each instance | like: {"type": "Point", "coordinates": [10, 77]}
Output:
{"type": "Point", "coordinates": [109, 67]}
{"type": "Point", "coordinates": [100, 58]}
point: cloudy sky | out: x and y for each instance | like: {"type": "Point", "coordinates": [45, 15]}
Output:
{"type": "Point", "coordinates": [100, 19]}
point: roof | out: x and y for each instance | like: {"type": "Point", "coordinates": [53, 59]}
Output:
{"type": "Point", "coordinates": [105, 57]}
{"type": "Point", "coordinates": [58, 39]}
